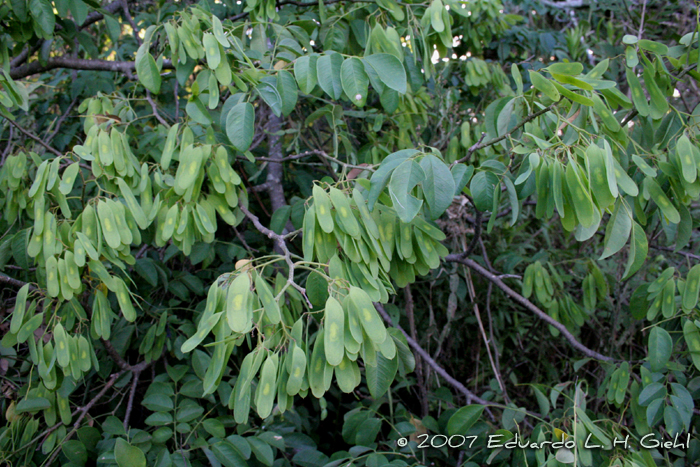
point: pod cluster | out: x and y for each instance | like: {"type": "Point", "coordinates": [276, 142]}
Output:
{"type": "Point", "coordinates": [365, 248]}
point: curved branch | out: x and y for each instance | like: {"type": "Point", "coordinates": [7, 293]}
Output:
{"type": "Point", "coordinates": [73, 63]}
{"type": "Point", "coordinates": [471, 397]}
{"type": "Point", "coordinates": [529, 305]}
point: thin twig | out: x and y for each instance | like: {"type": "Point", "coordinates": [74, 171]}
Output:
{"type": "Point", "coordinates": [35, 138]}
{"type": "Point", "coordinates": [155, 109]}
{"type": "Point", "coordinates": [61, 120]}
{"type": "Point", "coordinates": [130, 402]}
{"type": "Point", "coordinates": [527, 304]}
{"type": "Point", "coordinates": [471, 397]}
{"type": "Point", "coordinates": [493, 141]}
{"type": "Point", "coordinates": [282, 244]}
{"type": "Point", "coordinates": [84, 411]}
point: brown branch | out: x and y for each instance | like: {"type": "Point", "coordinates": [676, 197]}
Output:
{"type": "Point", "coordinates": [121, 363]}
{"type": "Point", "coordinates": [14, 282]}
{"type": "Point", "coordinates": [282, 245]}
{"type": "Point", "coordinates": [130, 402]}
{"type": "Point", "coordinates": [155, 109]}
{"type": "Point", "coordinates": [493, 141]}
{"type": "Point", "coordinates": [61, 120]}
{"type": "Point", "coordinates": [84, 411]}
{"type": "Point", "coordinates": [35, 138]}
{"type": "Point", "coordinates": [471, 397]}
{"type": "Point", "coordinates": [73, 63]}
{"type": "Point", "coordinates": [527, 304]}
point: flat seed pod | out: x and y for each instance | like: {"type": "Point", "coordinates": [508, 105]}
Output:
{"type": "Point", "coordinates": [659, 104]}
{"type": "Point", "coordinates": [297, 370]}
{"type": "Point", "coordinates": [544, 85]}
{"type": "Point", "coordinates": [428, 228]}
{"type": "Point", "coordinates": [638, 97]}
{"type": "Point", "coordinates": [84, 361]}
{"type": "Point", "coordinates": [109, 224]}
{"type": "Point", "coordinates": [238, 311]}
{"type": "Point", "coordinates": [69, 175]}
{"type": "Point", "coordinates": [367, 218]}
{"type": "Point", "coordinates": [308, 229]}
{"type": "Point", "coordinates": [169, 148]}
{"type": "Point", "coordinates": [105, 148]}
{"type": "Point", "coordinates": [317, 366]}
{"type": "Point", "coordinates": [605, 114]}
{"type": "Point", "coordinates": [171, 220]}
{"type": "Point", "coordinates": [691, 334]}
{"type": "Point", "coordinates": [188, 170]}
{"type": "Point", "coordinates": [39, 179]}
{"type": "Point", "coordinates": [367, 315]}
{"type": "Point", "coordinates": [66, 290]}
{"type": "Point", "coordinates": [692, 288]}
{"type": "Point", "coordinates": [322, 202]}
{"type": "Point", "coordinates": [124, 299]}
{"type": "Point", "coordinates": [211, 50]}
{"type": "Point", "coordinates": [388, 348]}
{"type": "Point", "coordinates": [334, 336]}
{"type": "Point", "coordinates": [582, 201]}
{"type": "Point", "coordinates": [52, 280]}
{"type": "Point", "coordinates": [203, 329]}
{"type": "Point", "coordinates": [426, 249]}
{"type": "Point", "coordinates": [406, 239]}
{"type": "Point", "coordinates": [624, 181]}
{"type": "Point", "coordinates": [49, 234]}
{"type": "Point", "coordinates": [657, 194]}
{"type": "Point", "coordinates": [72, 270]}
{"type": "Point", "coordinates": [344, 213]}
{"type": "Point", "coordinates": [345, 375]}
{"type": "Point", "coordinates": [598, 177]}
{"type": "Point", "coordinates": [386, 225]}
{"type": "Point", "coordinates": [685, 155]}
{"type": "Point", "coordinates": [134, 206]}
{"type": "Point", "coordinates": [272, 309]}
{"type": "Point", "coordinates": [208, 224]}
{"type": "Point", "coordinates": [119, 211]}
{"type": "Point", "coordinates": [325, 245]}
{"type": "Point", "coordinates": [91, 227]}
{"type": "Point", "coordinates": [369, 353]}
{"type": "Point", "coordinates": [351, 344]}
{"type": "Point", "coordinates": [265, 394]}
{"type": "Point", "coordinates": [20, 308]}
{"type": "Point", "coordinates": [118, 152]}
{"type": "Point", "coordinates": [668, 307]}
{"type": "Point", "coordinates": [86, 244]}
{"type": "Point", "coordinates": [62, 345]}
{"type": "Point", "coordinates": [240, 396]}
{"type": "Point", "coordinates": [660, 282]}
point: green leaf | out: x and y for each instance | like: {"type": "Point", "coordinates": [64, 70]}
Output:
{"type": "Point", "coordinates": [268, 92]}
{"type": "Point", "coordinates": [380, 377]}
{"type": "Point", "coordinates": [328, 69]}
{"type": "Point", "coordinates": [287, 89]}
{"type": "Point", "coordinates": [617, 231]}
{"type": "Point", "coordinates": [354, 80]}
{"type": "Point", "coordinates": [438, 186]}
{"type": "Point", "coordinates": [32, 405]}
{"type": "Point", "coordinates": [639, 247]}
{"type": "Point", "coordinates": [240, 126]}
{"type": "Point", "coordinates": [127, 455]}
{"type": "Point", "coordinates": [228, 455]}
{"type": "Point", "coordinates": [404, 178]}
{"type": "Point", "coordinates": [481, 187]}
{"type": "Point", "coordinates": [42, 13]}
{"type": "Point", "coordinates": [147, 70]}
{"type": "Point", "coordinates": [305, 72]}
{"type": "Point", "coordinates": [543, 85]}
{"type": "Point", "coordinates": [660, 348]}
{"type": "Point", "coordinates": [463, 419]}
{"type": "Point", "coordinates": [390, 71]}
{"type": "Point", "coordinates": [381, 177]}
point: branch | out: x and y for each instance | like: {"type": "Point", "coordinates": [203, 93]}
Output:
{"type": "Point", "coordinates": [282, 245]}
{"type": "Point", "coordinates": [565, 4]}
{"type": "Point", "coordinates": [14, 282]}
{"type": "Point", "coordinates": [493, 141]}
{"type": "Point", "coordinates": [61, 120]}
{"type": "Point", "coordinates": [35, 138]}
{"type": "Point", "coordinates": [121, 363]}
{"type": "Point", "coordinates": [83, 412]}
{"type": "Point", "coordinates": [77, 64]}
{"type": "Point", "coordinates": [527, 304]}
{"type": "Point", "coordinates": [155, 109]}
{"type": "Point", "coordinates": [471, 397]}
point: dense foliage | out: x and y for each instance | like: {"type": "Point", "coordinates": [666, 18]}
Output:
{"type": "Point", "coordinates": [209, 211]}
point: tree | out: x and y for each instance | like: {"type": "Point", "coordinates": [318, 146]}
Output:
{"type": "Point", "coordinates": [209, 209]}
